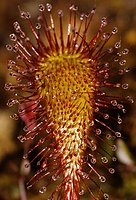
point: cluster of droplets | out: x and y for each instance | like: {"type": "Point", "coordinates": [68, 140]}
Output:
{"type": "Point", "coordinates": [102, 73]}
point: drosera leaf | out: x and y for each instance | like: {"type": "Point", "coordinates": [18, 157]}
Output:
{"type": "Point", "coordinates": [64, 91]}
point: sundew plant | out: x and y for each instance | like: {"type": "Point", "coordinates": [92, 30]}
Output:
{"type": "Point", "coordinates": [67, 94]}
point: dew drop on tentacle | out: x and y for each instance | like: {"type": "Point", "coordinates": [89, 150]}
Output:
{"type": "Point", "coordinates": [122, 62]}
{"type": "Point", "coordinates": [17, 27]}
{"type": "Point", "coordinates": [125, 51]}
{"type": "Point", "coordinates": [102, 179]}
{"type": "Point", "coordinates": [104, 159]}
{"type": "Point", "coordinates": [21, 138]}
{"type": "Point", "coordinates": [114, 102]}
{"type": "Point", "coordinates": [125, 86]}
{"type": "Point", "coordinates": [81, 192]}
{"type": "Point", "coordinates": [60, 13]}
{"type": "Point", "coordinates": [114, 30]}
{"type": "Point", "coordinates": [25, 129]}
{"type": "Point", "coordinates": [110, 50]}
{"type": "Point", "coordinates": [9, 47]}
{"type": "Point", "coordinates": [49, 7]}
{"type": "Point", "coordinates": [98, 131]}
{"type": "Point", "coordinates": [114, 148]}
{"type": "Point", "coordinates": [103, 21]}
{"type": "Point", "coordinates": [82, 17]}
{"type": "Point", "coordinates": [108, 136]}
{"type": "Point", "coordinates": [23, 14]}
{"type": "Point", "coordinates": [106, 196]}
{"type": "Point", "coordinates": [106, 116]}
{"type": "Point", "coordinates": [106, 64]}
{"type": "Point", "coordinates": [114, 159]}
{"type": "Point", "coordinates": [105, 36]}
{"type": "Point", "coordinates": [27, 165]}
{"type": "Point", "coordinates": [73, 7]}
{"type": "Point", "coordinates": [54, 178]}
{"type": "Point", "coordinates": [119, 120]}
{"type": "Point", "coordinates": [11, 63]}
{"type": "Point", "coordinates": [38, 26]}
{"type": "Point", "coordinates": [12, 102]}
{"type": "Point", "coordinates": [93, 160]}
{"type": "Point", "coordinates": [7, 86]}
{"type": "Point", "coordinates": [25, 156]}
{"type": "Point", "coordinates": [118, 134]}
{"type": "Point", "coordinates": [106, 76]}
{"type": "Point", "coordinates": [119, 54]}
{"type": "Point", "coordinates": [14, 116]}
{"type": "Point", "coordinates": [111, 170]}
{"type": "Point", "coordinates": [13, 37]}
{"type": "Point", "coordinates": [41, 7]}
{"type": "Point", "coordinates": [118, 45]}
{"type": "Point", "coordinates": [130, 99]}
{"type": "Point", "coordinates": [42, 190]}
